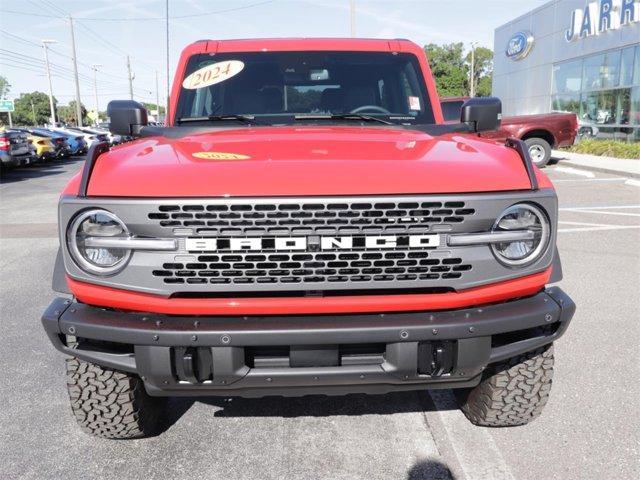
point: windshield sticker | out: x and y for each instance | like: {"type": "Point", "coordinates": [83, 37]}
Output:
{"type": "Point", "coordinates": [414, 103]}
{"type": "Point", "coordinates": [221, 156]}
{"type": "Point", "coordinates": [212, 74]}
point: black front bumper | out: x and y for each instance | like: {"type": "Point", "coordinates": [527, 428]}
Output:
{"type": "Point", "coordinates": [296, 355]}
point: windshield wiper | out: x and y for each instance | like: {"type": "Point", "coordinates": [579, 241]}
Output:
{"type": "Point", "coordinates": [344, 116]}
{"type": "Point", "coordinates": [222, 118]}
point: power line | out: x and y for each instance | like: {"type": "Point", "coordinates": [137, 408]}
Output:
{"type": "Point", "coordinates": [143, 19]}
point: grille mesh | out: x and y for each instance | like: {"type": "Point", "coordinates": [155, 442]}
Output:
{"type": "Point", "coordinates": [310, 268]}
{"type": "Point", "coordinates": [310, 218]}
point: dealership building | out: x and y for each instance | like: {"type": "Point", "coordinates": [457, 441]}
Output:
{"type": "Point", "coordinates": [577, 56]}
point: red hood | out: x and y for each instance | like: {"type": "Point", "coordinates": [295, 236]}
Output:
{"type": "Point", "coordinates": [308, 161]}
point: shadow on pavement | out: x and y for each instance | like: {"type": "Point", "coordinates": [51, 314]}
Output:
{"type": "Point", "coordinates": [38, 170]}
{"type": "Point", "coordinates": [430, 470]}
{"type": "Point", "coordinates": [321, 406]}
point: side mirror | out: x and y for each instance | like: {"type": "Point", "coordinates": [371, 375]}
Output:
{"type": "Point", "coordinates": [126, 117]}
{"type": "Point", "coordinates": [482, 114]}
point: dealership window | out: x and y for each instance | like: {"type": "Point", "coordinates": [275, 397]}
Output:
{"type": "Point", "coordinates": [603, 90]}
{"type": "Point", "coordinates": [568, 77]}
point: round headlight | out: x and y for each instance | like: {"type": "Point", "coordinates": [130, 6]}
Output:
{"type": "Point", "coordinates": [96, 224]}
{"type": "Point", "coordinates": [523, 217]}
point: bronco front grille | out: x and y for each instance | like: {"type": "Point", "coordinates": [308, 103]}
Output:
{"type": "Point", "coordinates": [362, 217]}
{"type": "Point", "coordinates": [305, 245]}
{"type": "Point", "coordinates": [312, 268]}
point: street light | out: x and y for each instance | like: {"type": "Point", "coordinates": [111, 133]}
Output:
{"type": "Point", "coordinates": [94, 67]}
{"type": "Point", "coordinates": [472, 89]}
{"type": "Point", "coordinates": [46, 61]}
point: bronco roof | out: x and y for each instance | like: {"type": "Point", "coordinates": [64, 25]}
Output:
{"type": "Point", "coordinates": [300, 44]}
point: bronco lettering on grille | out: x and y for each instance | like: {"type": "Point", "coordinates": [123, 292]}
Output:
{"type": "Point", "coordinates": [303, 243]}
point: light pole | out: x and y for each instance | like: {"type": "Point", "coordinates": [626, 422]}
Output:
{"type": "Point", "coordinates": [94, 67]}
{"type": "Point", "coordinates": [33, 111]}
{"type": "Point", "coordinates": [352, 10]}
{"type": "Point", "coordinates": [75, 76]}
{"type": "Point", "coordinates": [472, 80]}
{"type": "Point", "coordinates": [46, 61]}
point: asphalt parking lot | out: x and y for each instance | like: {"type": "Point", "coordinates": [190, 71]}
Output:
{"type": "Point", "coordinates": [589, 428]}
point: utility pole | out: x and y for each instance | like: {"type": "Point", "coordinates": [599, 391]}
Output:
{"type": "Point", "coordinates": [352, 8]}
{"type": "Point", "coordinates": [33, 111]}
{"type": "Point", "coordinates": [94, 67]}
{"type": "Point", "coordinates": [10, 121]}
{"type": "Point", "coordinates": [166, 108]}
{"type": "Point", "coordinates": [46, 61]}
{"type": "Point", "coordinates": [157, 99]}
{"type": "Point", "coordinates": [472, 80]}
{"type": "Point", "coordinates": [130, 78]}
{"type": "Point", "coordinates": [75, 75]}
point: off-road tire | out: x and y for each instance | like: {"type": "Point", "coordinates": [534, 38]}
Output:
{"type": "Point", "coordinates": [512, 392]}
{"type": "Point", "coordinates": [543, 145]}
{"type": "Point", "coordinates": [109, 403]}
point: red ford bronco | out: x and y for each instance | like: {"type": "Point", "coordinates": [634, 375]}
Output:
{"type": "Point", "coordinates": [306, 223]}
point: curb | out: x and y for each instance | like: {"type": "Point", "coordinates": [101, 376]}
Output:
{"type": "Point", "coordinates": [559, 157]}
{"type": "Point", "coordinates": [601, 169]}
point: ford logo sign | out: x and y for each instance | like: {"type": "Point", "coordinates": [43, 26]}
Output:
{"type": "Point", "coordinates": [519, 45]}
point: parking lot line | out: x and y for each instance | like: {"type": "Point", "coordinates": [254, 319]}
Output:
{"type": "Point", "coordinates": [631, 181]}
{"type": "Point", "coordinates": [595, 229]}
{"type": "Point", "coordinates": [587, 224]}
{"type": "Point", "coordinates": [575, 171]}
{"type": "Point", "coordinates": [579, 180]}
{"type": "Point", "coordinates": [476, 452]}
{"type": "Point", "coordinates": [599, 207]}
{"type": "Point", "coordinates": [603, 212]}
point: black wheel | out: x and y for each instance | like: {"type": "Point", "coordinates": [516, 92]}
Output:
{"type": "Point", "coordinates": [109, 403]}
{"type": "Point", "coordinates": [512, 392]}
{"type": "Point", "coordinates": [539, 151]}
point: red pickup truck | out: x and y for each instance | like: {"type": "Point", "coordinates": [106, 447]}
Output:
{"type": "Point", "coordinates": [306, 223]}
{"type": "Point", "coordinates": [540, 132]}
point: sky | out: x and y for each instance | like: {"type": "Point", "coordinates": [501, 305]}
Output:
{"type": "Point", "coordinates": [106, 31]}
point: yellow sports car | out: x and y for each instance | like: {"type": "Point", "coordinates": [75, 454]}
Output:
{"type": "Point", "coordinates": [44, 147]}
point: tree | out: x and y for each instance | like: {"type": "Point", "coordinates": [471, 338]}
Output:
{"type": "Point", "coordinates": [5, 87]}
{"type": "Point", "coordinates": [483, 70]}
{"type": "Point", "coordinates": [67, 114]}
{"type": "Point", "coordinates": [448, 68]}
{"type": "Point", "coordinates": [23, 114]}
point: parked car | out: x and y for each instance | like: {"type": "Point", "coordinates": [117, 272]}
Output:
{"type": "Point", "coordinates": [540, 132]}
{"type": "Point", "coordinates": [45, 149]}
{"type": "Point", "coordinates": [60, 141]}
{"type": "Point", "coordinates": [14, 149]}
{"type": "Point", "coordinates": [77, 143]}
{"type": "Point", "coordinates": [44, 145]}
{"type": "Point", "coordinates": [90, 135]}
{"type": "Point", "coordinates": [276, 250]}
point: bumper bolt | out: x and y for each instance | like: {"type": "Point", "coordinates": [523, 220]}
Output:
{"type": "Point", "coordinates": [434, 331]}
{"type": "Point", "coordinates": [548, 317]}
{"type": "Point", "coordinates": [361, 377]}
{"type": "Point", "coordinates": [73, 310]}
{"type": "Point", "coordinates": [225, 339]}
{"type": "Point", "coordinates": [166, 382]}
{"type": "Point", "coordinates": [57, 312]}
{"type": "Point", "coordinates": [156, 338]}
{"type": "Point", "coordinates": [316, 378]}
{"type": "Point", "coordinates": [196, 323]}
{"type": "Point", "coordinates": [144, 319]}
{"type": "Point", "coordinates": [72, 330]}
{"type": "Point", "coordinates": [269, 379]}
{"type": "Point", "coordinates": [159, 322]}
{"type": "Point", "coordinates": [404, 334]}
{"type": "Point", "coordinates": [194, 338]}
{"type": "Point", "coordinates": [472, 329]}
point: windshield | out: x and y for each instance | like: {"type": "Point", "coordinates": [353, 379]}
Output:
{"type": "Point", "coordinates": [282, 87]}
